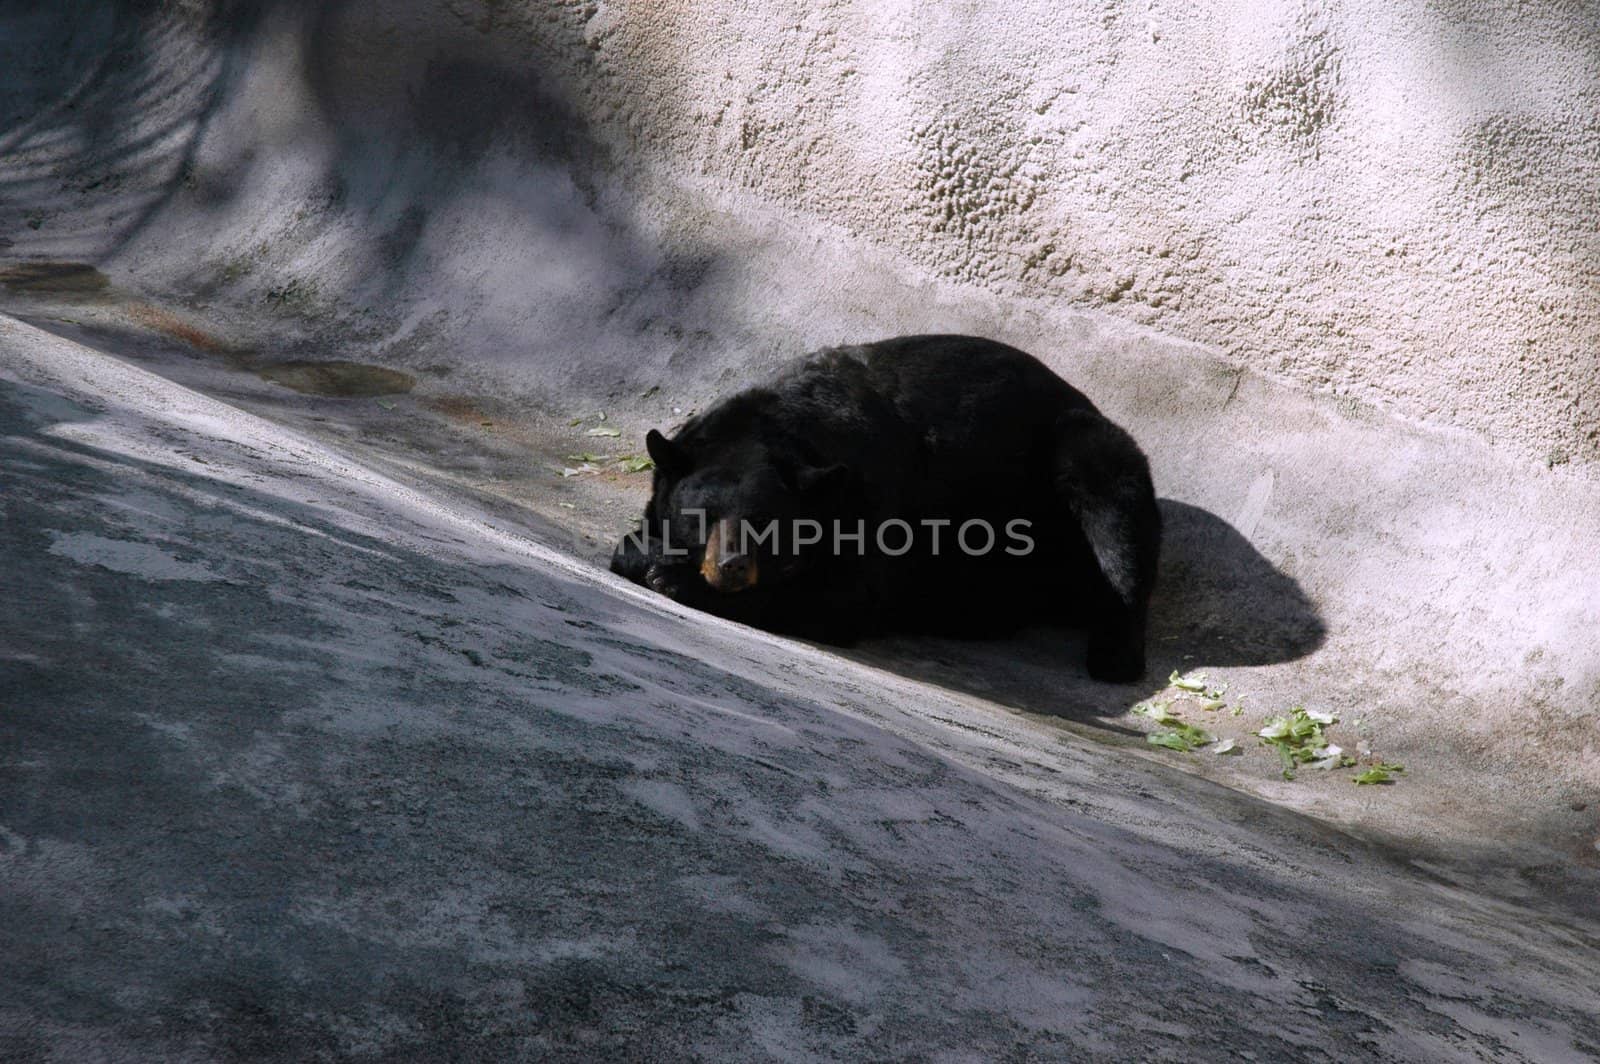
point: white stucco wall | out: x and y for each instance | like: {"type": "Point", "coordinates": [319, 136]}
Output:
{"type": "Point", "coordinates": [1395, 200]}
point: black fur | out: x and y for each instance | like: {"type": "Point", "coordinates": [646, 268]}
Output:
{"type": "Point", "coordinates": [918, 428]}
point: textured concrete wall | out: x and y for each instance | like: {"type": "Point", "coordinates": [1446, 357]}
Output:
{"type": "Point", "coordinates": [1397, 201]}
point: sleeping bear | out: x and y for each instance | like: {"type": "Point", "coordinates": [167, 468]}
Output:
{"type": "Point", "coordinates": [934, 483]}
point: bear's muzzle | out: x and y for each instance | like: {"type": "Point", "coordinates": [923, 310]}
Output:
{"type": "Point", "coordinates": [725, 568]}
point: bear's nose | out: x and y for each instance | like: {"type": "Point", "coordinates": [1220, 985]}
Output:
{"type": "Point", "coordinates": [734, 573]}
{"type": "Point", "coordinates": [725, 568]}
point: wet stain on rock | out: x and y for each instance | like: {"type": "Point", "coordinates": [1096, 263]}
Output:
{"type": "Point", "coordinates": [54, 278]}
{"type": "Point", "coordinates": [343, 380]}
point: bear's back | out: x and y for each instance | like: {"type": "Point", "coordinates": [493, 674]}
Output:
{"type": "Point", "coordinates": [933, 414]}
{"type": "Point", "coordinates": [953, 382]}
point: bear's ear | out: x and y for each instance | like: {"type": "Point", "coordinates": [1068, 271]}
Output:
{"type": "Point", "coordinates": [672, 460]}
{"type": "Point", "coordinates": [821, 480]}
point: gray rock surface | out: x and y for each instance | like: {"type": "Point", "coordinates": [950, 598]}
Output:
{"type": "Point", "coordinates": [303, 763]}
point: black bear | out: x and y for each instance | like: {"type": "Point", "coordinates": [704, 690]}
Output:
{"type": "Point", "coordinates": [930, 482]}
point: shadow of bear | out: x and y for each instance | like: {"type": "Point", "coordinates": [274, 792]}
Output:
{"type": "Point", "coordinates": [1218, 602]}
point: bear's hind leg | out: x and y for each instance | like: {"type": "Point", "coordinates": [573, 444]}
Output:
{"type": "Point", "coordinates": [1102, 480]}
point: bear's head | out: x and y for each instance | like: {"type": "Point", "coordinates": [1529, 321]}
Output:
{"type": "Point", "coordinates": [741, 518]}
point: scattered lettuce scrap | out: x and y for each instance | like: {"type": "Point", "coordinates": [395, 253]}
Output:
{"type": "Point", "coordinates": [585, 456]}
{"type": "Point", "coordinates": [1195, 683]}
{"type": "Point", "coordinates": [637, 463]}
{"type": "Point", "coordinates": [1298, 738]}
{"type": "Point", "coordinates": [1382, 772]}
{"type": "Point", "coordinates": [604, 431]}
{"type": "Point", "coordinates": [1160, 712]}
{"type": "Point", "coordinates": [1181, 736]}
{"type": "Point", "coordinates": [1332, 756]}
{"type": "Point", "coordinates": [1176, 735]}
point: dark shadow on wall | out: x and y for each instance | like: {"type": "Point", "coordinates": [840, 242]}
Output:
{"type": "Point", "coordinates": [505, 125]}
{"type": "Point", "coordinates": [1219, 602]}
{"type": "Point", "coordinates": [103, 107]}
{"type": "Point", "coordinates": [413, 126]}
{"type": "Point", "coordinates": [434, 152]}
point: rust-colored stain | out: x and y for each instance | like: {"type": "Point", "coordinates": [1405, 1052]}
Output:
{"type": "Point", "coordinates": [164, 321]}
{"type": "Point", "coordinates": [463, 408]}
{"type": "Point", "coordinates": [458, 408]}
